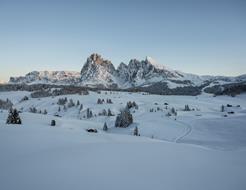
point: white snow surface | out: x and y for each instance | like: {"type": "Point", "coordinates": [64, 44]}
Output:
{"type": "Point", "coordinates": [198, 149]}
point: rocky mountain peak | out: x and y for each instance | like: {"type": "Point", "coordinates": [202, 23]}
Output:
{"type": "Point", "coordinates": [99, 72]}
{"type": "Point", "coordinates": [96, 58]}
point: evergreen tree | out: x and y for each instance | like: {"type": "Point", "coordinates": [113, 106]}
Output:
{"type": "Point", "coordinates": [135, 132]}
{"type": "Point", "coordinates": [78, 103]}
{"type": "Point", "coordinates": [65, 108]}
{"type": "Point", "coordinates": [13, 117]}
{"type": "Point", "coordinates": [124, 119]}
{"type": "Point", "coordinates": [173, 111]}
{"type": "Point", "coordinates": [99, 101]}
{"type": "Point", "coordinates": [105, 127]}
{"type": "Point", "coordinates": [89, 113]}
{"type": "Point", "coordinates": [187, 108]}
{"type": "Point", "coordinates": [62, 101]}
{"type": "Point", "coordinates": [110, 113]}
{"type": "Point", "coordinates": [222, 108]}
{"type": "Point", "coordinates": [81, 107]}
{"type": "Point", "coordinates": [104, 112]}
{"type": "Point", "coordinates": [45, 112]}
{"type": "Point", "coordinates": [70, 103]}
{"type": "Point", "coordinates": [32, 110]}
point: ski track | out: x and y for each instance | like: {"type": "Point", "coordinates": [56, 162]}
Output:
{"type": "Point", "coordinates": [186, 133]}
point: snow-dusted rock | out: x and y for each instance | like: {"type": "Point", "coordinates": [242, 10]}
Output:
{"type": "Point", "coordinates": [99, 72]}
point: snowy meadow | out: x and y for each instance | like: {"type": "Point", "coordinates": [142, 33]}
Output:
{"type": "Point", "coordinates": [182, 142]}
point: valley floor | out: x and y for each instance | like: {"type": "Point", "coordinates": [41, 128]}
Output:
{"type": "Point", "coordinates": [199, 149]}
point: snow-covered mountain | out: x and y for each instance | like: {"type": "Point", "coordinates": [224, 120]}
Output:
{"type": "Point", "coordinates": [48, 77]}
{"type": "Point", "coordinates": [99, 72]}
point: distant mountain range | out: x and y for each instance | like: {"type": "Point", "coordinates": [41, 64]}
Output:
{"type": "Point", "coordinates": [146, 74]}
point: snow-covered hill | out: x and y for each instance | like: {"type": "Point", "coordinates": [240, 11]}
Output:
{"type": "Point", "coordinates": [98, 72]}
{"type": "Point", "coordinates": [198, 149]}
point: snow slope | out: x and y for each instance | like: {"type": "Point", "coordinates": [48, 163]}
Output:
{"type": "Point", "coordinates": [201, 149]}
{"type": "Point", "coordinates": [37, 156]}
{"type": "Point", "coordinates": [206, 119]}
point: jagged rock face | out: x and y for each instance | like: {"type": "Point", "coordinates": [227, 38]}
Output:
{"type": "Point", "coordinates": [123, 72]}
{"type": "Point", "coordinates": [142, 72]}
{"type": "Point", "coordinates": [98, 71]}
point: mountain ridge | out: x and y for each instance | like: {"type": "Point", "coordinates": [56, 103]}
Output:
{"type": "Point", "coordinates": [100, 72]}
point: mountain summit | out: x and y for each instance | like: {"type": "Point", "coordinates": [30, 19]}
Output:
{"type": "Point", "coordinates": [100, 72]}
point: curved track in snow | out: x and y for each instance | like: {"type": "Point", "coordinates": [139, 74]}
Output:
{"type": "Point", "coordinates": [186, 133]}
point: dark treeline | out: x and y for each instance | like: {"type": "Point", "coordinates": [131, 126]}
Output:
{"type": "Point", "coordinates": [160, 88]}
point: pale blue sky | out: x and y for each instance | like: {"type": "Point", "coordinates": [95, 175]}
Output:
{"type": "Point", "coordinates": [202, 36]}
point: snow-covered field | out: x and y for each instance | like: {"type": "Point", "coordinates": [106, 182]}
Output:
{"type": "Point", "coordinates": [198, 149]}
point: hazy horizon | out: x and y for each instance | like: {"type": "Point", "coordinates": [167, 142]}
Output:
{"type": "Point", "coordinates": [199, 37]}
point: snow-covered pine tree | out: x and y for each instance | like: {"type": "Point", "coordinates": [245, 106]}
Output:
{"type": "Point", "coordinates": [81, 107]}
{"type": "Point", "coordinates": [124, 119]}
{"type": "Point", "coordinates": [105, 127]}
{"type": "Point", "coordinates": [78, 103]}
{"type": "Point", "coordinates": [13, 117]}
{"type": "Point", "coordinates": [187, 108]}
{"type": "Point", "coordinates": [135, 132]}
{"type": "Point", "coordinates": [70, 103]}
{"type": "Point", "coordinates": [222, 108]}
{"type": "Point", "coordinates": [104, 112]}
{"type": "Point", "coordinates": [110, 113]}
{"type": "Point", "coordinates": [65, 108]}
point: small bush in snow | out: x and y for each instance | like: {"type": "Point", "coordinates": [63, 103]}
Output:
{"type": "Point", "coordinates": [91, 130]}
{"type": "Point", "coordinates": [53, 123]}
